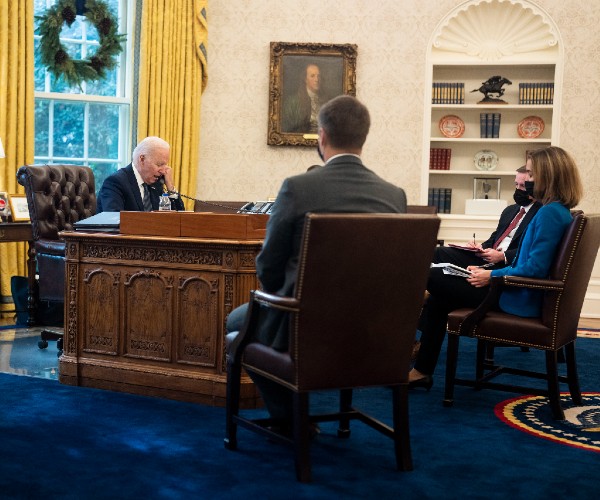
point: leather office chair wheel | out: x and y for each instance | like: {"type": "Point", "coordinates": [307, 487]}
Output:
{"type": "Point", "coordinates": [42, 344]}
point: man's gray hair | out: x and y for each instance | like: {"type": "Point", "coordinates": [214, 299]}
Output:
{"type": "Point", "coordinates": [145, 146]}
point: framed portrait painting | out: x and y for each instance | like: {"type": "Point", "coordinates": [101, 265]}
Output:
{"type": "Point", "coordinates": [303, 77]}
{"type": "Point", "coordinates": [19, 207]}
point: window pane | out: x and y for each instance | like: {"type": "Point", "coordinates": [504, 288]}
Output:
{"type": "Point", "coordinates": [42, 124]}
{"type": "Point", "coordinates": [68, 129]}
{"type": "Point", "coordinates": [101, 172]}
{"type": "Point", "coordinates": [39, 70]}
{"type": "Point", "coordinates": [74, 31]}
{"type": "Point", "coordinates": [107, 86]}
{"type": "Point", "coordinates": [104, 131]}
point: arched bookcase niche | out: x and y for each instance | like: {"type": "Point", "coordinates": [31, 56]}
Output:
{"type": "Point", "coordinates": [478, 40]}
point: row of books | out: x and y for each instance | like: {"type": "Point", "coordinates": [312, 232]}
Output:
{"type": "Point", "coordinates": [448, 93]}
{"type": "Point", "coordinates": [489, 125]}
{"type": "Point", "coordinates": [439, 158]}
{"type": "Point", "coordinates": [536, 93]}
{"type": "Point", "coordinates": [440, 198]}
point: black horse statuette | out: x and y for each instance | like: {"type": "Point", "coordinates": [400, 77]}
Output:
{"type": "Point", "coordinates": [492, 89]}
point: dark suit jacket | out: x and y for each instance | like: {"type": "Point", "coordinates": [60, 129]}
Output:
{"type": "Point", "coordinates": [344, 185]}
{"type": "Point", "coordinates": [464, 259]}
{"type": "Point", "coordinates": [120, 192]}
{"type": "Point", "coordinates": [508, 214]}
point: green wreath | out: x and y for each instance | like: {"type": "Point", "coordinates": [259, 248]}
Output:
{"type": "Point", "coordinates": [54, 54]}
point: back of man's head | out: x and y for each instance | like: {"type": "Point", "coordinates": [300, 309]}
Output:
{"type": "Point", "coordinates": [346, 121]}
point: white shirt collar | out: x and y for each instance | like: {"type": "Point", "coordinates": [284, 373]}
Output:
{"type": "Point", "coordinates": [342, 154]}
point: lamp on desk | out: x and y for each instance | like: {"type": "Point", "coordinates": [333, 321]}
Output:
{"type": "Point", "coordinates": [1, 149]}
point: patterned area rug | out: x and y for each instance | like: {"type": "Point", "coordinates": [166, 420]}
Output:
{"type": "Point", "coordinates": [531, 414]}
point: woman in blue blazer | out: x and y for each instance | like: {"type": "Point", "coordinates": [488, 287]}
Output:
{"type": "Point", "coordinates": [554, 181]}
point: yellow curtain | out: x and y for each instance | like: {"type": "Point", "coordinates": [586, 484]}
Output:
{"type": "Point", "coordinates": [16, 118]}
{"type": "Point", "coordinates": [172, 77]}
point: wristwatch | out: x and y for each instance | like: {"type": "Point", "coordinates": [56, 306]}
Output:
{"type": "Point", "coordinates": [173, 193]}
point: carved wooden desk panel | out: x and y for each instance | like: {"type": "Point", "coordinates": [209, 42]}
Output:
{"type": "Point", "coordinates": [147, 314]}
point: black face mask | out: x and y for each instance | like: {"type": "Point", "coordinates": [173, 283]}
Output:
{"type": "Point", "coordinates": [529, 187]}
{"type": "Point", "coordinates": [521, 197]}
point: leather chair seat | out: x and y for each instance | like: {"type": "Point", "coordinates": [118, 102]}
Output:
{"type": "Point", "coordinates": [530, 332]}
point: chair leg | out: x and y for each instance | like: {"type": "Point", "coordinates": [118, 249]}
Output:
{"type": "Point", "coordinates": [345, 406]}
{"type": "Point", "coordinates": [572, 375]}
{"type": "Point", "coordinates": [302, 437]}
{"type": "Point", "coordinates": [451, 362]}
{"type": "Point", "coordinates": [484, 359]}
{"type": "Point", "coordinates": [553, 389]}
{"type": "Point", "coordinates": [401, 427]}
{"type": "Point", "coordinates": [232, 404]}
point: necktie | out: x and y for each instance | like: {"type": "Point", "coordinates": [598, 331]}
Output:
{"type": "Point", "coordinates": [147, 201]}
{"type": "Point", "coordinates": [510, 227]}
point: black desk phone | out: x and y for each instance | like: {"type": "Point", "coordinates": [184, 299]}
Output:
{"type": "Point", "coordinates": [256, 207]}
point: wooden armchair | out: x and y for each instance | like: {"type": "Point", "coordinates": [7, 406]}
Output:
{"type": "Point", "coordinates": [58, 196]}
{"type": "Point", "coordinates": [352, 323]}
{"type": "Point", "coordinates": [564, 292]}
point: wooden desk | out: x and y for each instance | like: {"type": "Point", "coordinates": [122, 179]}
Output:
{"type": "Point", "coordinates": [147, 314]}
{"type": "Point", "coordinates": [21, 231]}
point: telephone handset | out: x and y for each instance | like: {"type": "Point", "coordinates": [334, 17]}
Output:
{"type": "Point", "coordinates": [256, 207]}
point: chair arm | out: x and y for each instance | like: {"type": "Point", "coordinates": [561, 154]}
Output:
{"type": "Point", "coordinates": [246, 334]}
{"type": "Point", "coordinates": [497, 283]}
{"type": "Point", "coordinates": [467, 327]}
{"type": "Point", "coordinates": [288, 304]}
{"type": "Point", "coordinates": [537, 283]}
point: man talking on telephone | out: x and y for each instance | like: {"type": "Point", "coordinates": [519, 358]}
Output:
{"type": "Point", "coordinates": [138, 186]}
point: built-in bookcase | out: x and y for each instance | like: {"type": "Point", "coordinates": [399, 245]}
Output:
{"type": "Point", "coordinates": [477, 41]}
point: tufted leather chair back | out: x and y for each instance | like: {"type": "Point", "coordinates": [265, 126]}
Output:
{"type": "Point", "coordinates": [58, 196]}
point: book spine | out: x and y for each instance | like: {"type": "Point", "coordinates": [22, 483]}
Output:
{"type": "Point", "coordinates": [430, 197]}
{"type": "Point", "coordinates": [482, 125]}
{"type": "Point", "coordinates": [447, 200]}
{"type": "Point", "coordinates": [496, 125]}
{"type": "Point", "coordinates": [489, 125]}
{"type": "Point", "coordinates": [436, 198]}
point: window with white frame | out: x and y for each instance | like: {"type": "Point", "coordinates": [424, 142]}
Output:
{"type": "Point", "coordinates": [87, 124]}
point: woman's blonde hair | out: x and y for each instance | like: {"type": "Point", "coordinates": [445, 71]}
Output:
{"type": "Point", "coordinates": [556, 177]}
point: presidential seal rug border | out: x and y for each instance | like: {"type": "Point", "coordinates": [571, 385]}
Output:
{"type": "Point", "coordinates": [531, 414]}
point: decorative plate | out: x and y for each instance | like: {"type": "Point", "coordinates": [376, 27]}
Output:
{"type": "Point", "coordinates": [486, 160]}
{"type": "Point", "coordinates": [452, 126]}
{"type": "Point", "coordinates": [530, 127]}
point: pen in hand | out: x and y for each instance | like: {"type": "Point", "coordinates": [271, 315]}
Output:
{"type": "Point", "coordinates": [474, 239]}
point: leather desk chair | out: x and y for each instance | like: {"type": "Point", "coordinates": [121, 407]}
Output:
{"type": "Point", "coordinates": [352, 323]}
{"type": "Point", "coordinates": [58, 196]}
{"type": "Point", "coordinates": [564, 293]}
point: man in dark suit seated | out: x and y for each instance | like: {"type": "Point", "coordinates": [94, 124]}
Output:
{"type": "Point", "coordinates": [343, 185]}
{"type": "Point", "coordinates": [501, 247]}
{"type": "Point", "coordinates": [139, 185]}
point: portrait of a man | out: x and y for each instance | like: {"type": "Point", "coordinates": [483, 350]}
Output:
{"type": "Point", "coordinates": [303, 77]}
{"type": "Point", "coordinates": [308, 83]}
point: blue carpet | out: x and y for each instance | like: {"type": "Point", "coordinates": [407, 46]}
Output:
{"type": "Point", "coordinates": [67, 442]}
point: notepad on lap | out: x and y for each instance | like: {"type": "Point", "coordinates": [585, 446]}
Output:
{"type": "Point", "coordinates": [453, 269]}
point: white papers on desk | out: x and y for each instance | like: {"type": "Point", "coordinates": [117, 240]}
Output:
{"type": "Point", "coordinates": [453, 269]}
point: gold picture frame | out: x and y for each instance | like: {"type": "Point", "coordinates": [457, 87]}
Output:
{"type": "Point", "coordinates": [18, 207]}
{"type": "Point", "coordinates": [293, 68]}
